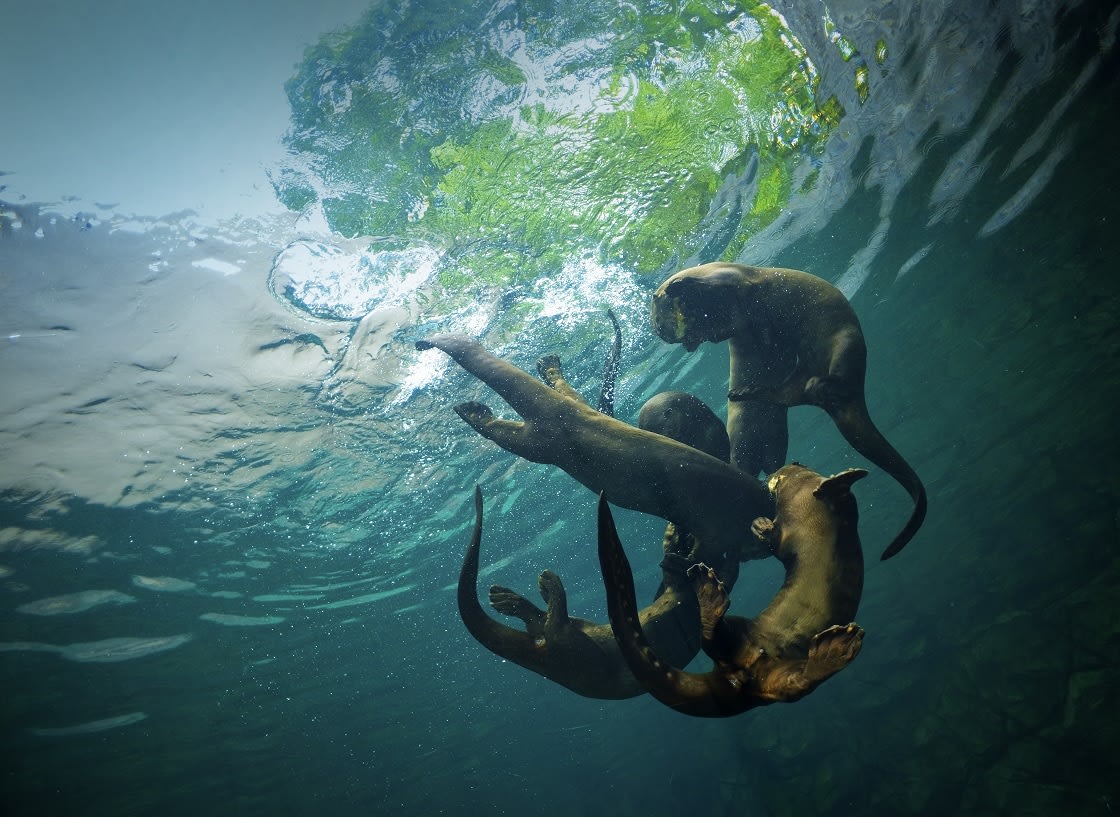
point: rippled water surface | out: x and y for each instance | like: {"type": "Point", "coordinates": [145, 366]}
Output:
{"type": "Point", "coordinates": [234, 498]}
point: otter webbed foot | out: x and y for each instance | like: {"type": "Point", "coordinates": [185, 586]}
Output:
{"type": "Point", "coordinates": [712, 596]}
{"type": "Point", "coordinates": [511, 603]}
{"type": "Point", "coordinates": [831, 650]}
{"type": "Point", "coordinates": [551, 372]}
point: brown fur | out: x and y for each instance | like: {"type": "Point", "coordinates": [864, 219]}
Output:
{"type": "Point", "coordinates": [794, 339]}
{"type": "Point", "coordinates": [804, 636]}
{"type": "Point", "coordinates": [686, 418]}
{"type": "Point", "coordinates": [637, 469]}
{"type": "Point", "coordinates": [579, 654]}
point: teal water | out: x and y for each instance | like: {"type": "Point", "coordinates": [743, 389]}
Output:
{"type": "Point", "coordinates": [234, 499]}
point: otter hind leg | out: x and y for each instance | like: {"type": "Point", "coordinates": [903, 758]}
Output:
{"type": "Point", "coordinates": [830, 392]}
{"type": "Point", "coordinates": [700, 695]}
{"type": "Point", "coordinates": [830, 651]}
{"type": "Point", "coordinates": [554, 595]}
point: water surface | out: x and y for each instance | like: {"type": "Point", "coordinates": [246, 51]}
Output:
{"type": "Point", "coordinates": [234, 499]}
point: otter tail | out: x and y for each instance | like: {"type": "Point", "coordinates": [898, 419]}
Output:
{"type": "Point", "coordinates": [499, 638]}
{"type": "Point", "coordinates": [855, 424]}
{"type": "Point", "coordinates": [610, 370]}
{"type": "Point", "coordinates": [688, 693]}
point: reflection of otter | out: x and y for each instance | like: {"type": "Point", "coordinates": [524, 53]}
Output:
{"type": "Point", "coordinates": [794, 339]}
{"type": "Point", "coordinates": [637, 469]}
{"type": "Point", "coordinates": [578, 654]}
{"type": "Point", "coordinates": [804, 635]}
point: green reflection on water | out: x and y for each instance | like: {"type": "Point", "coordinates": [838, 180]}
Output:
{"type": "Point", "coordinates": [519, 139]}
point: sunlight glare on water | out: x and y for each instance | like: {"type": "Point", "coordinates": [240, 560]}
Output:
{"type": "Point", "coordinates": [332, 283]}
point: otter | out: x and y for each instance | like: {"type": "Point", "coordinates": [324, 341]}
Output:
{"type": "Point", "coordinates": [638, 469]}
{"type": "Point", "coordinates": [794, 340]}
{"type": "Point", "coordinates": [582, 655]}
{"type": "Point", "coordinates": [804, 636]}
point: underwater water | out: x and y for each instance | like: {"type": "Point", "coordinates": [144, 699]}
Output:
{"type": "Point", "coordinates": [234, 499]}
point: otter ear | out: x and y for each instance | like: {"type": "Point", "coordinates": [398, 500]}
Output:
{"type": "Point", "coordinates": [838, 484]}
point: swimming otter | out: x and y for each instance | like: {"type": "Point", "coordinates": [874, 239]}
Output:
{"type": "Point", "coordinates": [575, 653]}
{"type": "Point", "coordinates": [804, 636]}
{"type": "Point", "coordinates": [794, 339]}
{"type": "Point", "coordinates": [640, 470]}
{"type": "Point", "coordinates": [579, 654]}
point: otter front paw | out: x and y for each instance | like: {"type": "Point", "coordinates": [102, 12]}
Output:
{"type": "Point", "coordinates": [475, 414]}
{"type": "Point", "coordinates": [453, 344]}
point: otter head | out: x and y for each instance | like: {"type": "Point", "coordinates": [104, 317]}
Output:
{"type": "Point", "coordinates": [704, 303]}
{"type": "Point", "coordinates": [797, 491]}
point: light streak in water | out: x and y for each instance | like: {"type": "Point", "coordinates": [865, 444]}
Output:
{"type": "Point", "coordinates": [90, 726]}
